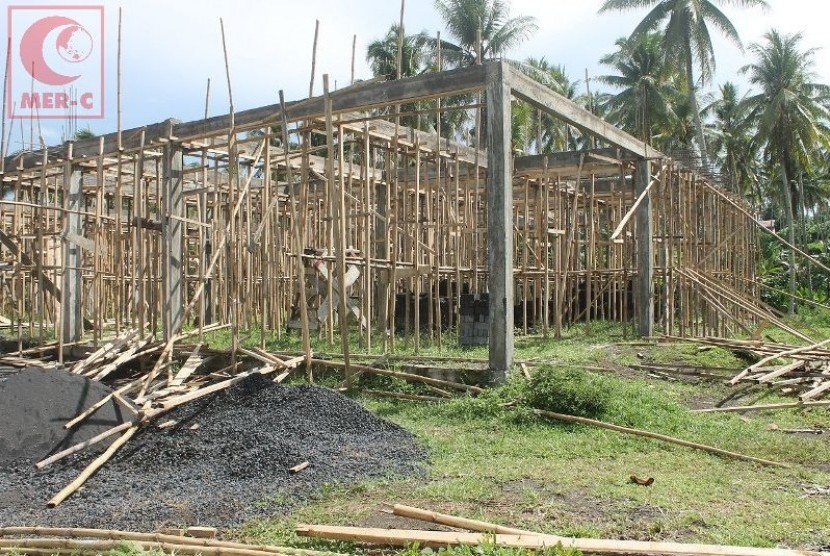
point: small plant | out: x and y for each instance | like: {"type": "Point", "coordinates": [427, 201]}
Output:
{"type": "Point", "coordinates": [570, 391]}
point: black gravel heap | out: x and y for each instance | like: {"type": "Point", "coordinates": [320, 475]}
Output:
{"type": "Point", "coordinates": [35, 404]}
{"type": "Point", "coordinates": [226, 461]}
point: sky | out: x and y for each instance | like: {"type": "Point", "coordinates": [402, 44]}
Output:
{"type": "Point", "coordinates": [172, 47]}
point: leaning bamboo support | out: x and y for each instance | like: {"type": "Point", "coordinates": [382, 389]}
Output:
{"type": "Point", "coordinates": [657, 436]}
{"type": "Point", "coordinates": [85, 444]}
{"type": "Point", "coordinates": [103, 401]}
{"type": "Point", "coordinates": [96, 464]}
{"type": "Point", "coordinates": [773, 357]}
{"type": "Point", "coordinates": [212, 389]}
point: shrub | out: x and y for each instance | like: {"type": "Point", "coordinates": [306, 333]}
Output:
{"type": "Point", "coordinates": [569, 391]}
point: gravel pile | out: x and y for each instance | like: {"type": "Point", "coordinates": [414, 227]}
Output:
{"type": "Point", "coordinates": [226, 461]}
{"type": "Point", "coordinates": [35, 404]}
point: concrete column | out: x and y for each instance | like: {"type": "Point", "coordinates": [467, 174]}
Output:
{"type": "Point", "coordinates": [500, 223]}
{"type": "Point", "coordinates": [380, 238]}
{"type": "Point", "coordinates": [71, 289]}
{"type": "Point", "coordinates": [172, 203]}
{"type": "Point", "coordinates": [645, 253]}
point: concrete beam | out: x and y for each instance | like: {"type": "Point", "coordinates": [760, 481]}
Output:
{"type": "Point", "coordinates": [546, 99]}
{"type": "Point", "coordinates": [172, 246]}
{"type": "Point", "coordinates": [359, 97]}
{"type": "Point", "coordinates": [645, 253]}
{"type": "Point", "coordinates": [500, 222]}
{"type": "Point", "coordinates": [566, 164]}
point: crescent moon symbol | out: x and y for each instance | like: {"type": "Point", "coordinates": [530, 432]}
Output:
{"type": "Point", "coordinates": [31, 50]}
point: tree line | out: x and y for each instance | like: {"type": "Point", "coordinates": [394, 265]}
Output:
{"type": "Point", "coordinates": [769, 144]}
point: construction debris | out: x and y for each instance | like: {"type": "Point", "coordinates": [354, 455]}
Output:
{"type": "Point", "coordinates": [492, 534]}
{"type": "Point", "coordinates": [234, 467]}
{"type": "Point", "coordinates": [46, 540]}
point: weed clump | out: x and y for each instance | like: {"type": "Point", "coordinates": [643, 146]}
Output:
{"type": "Point", "coordinates": [569, 391]}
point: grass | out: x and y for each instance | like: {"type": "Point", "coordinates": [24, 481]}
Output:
{"type": "Point", "coordinates": [123, 549]}
{"type": "Point", "coordinates": [507, 466]}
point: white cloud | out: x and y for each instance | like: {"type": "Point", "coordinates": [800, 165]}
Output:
{"type": "Point", "coordinates": [172, 48]}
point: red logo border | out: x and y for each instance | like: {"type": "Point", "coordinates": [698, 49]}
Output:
{"type": "Point", "coordinates": [9, 102]}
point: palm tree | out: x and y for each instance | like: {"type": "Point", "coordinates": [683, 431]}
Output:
{"type": "Point", "coordinates": [792, 117]}
{"type": "Point", "coordinates": [646, 86]}
{"type": "Point", "coordinates": [382, 54]}
{"type": "Point", "coordinates": [686, 39]}
{"type": "Point", "coordinates": [464, 20]}
{"type": "Point", "coordinates": [731, 140]}
{"type": "Point", "coordinates": [551, 134]}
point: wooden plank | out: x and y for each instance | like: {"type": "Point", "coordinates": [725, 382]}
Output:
{"type": "Point", "coordinates": [406, 537]}
{"type": "Point", "coordinates": [188, 368]}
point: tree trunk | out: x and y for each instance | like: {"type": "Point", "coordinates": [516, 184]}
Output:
{"type": "Point", "coordinates": [805, 240]}
{"type": "Point", "coordinates": [785, 183]}
{"type": "Point", "coordinates": [690, 79]}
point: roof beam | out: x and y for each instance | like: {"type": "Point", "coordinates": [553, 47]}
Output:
{"type": "Point", "coordinates": [546, 99]}
{"type": "Point", "coordinates": [358, 97]}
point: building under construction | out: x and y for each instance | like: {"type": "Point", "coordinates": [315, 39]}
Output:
{"type": "Point", "coordinates": [330, 216]}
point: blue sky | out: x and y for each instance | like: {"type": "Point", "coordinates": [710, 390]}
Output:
{"type": "Point", "coordinates": [171, 48]}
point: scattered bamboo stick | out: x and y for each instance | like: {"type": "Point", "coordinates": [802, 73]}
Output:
{"type": "Point", "coordinates": [405, 537]}
{"type": "Point", "coordinates": [96, 464]}
{"type": "Point", "coordinates": [657, 436]}
{"type": "Point", "coordinates": [116, 535]}
{"type": "Point", "coordinates": [453, 521]}
{"type": "Point", "coordinates": [764, 407]}
{"type": "Point", "coordinates": [405, 376]}
{"type": "Point", "coordinates": [83, 445]}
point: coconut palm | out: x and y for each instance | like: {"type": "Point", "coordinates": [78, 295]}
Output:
{"type": "Point", "coordinates": [791, 115]}
{"type": "Point", "coordinates": [686, 39]}
{"type": "Point", "coordinates": [550, 134]}
{"type": "Point", "coordinates": [730, 141]}
{"type": "Point", "coordinates": [382, 54]}
{"type": "Point", "coordinates": [499, 32]}
{"type": "Point", "coordinates": [646, 85]}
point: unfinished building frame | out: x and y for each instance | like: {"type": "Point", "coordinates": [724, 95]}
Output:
{"type": "Point", "coordinates": [329, 214]}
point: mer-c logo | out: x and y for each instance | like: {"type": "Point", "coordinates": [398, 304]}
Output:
{"type": "Point", "coordinates": [57, 69]}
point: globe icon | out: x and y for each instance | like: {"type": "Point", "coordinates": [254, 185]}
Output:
{"type": "Point", "coordinates": [74, 44]}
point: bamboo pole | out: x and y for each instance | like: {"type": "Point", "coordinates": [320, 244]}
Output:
{"type": "Point", "coordinates": [656, 436]}
{"type": "Point", "coordinates": [116, 535]}
{"type": "Point", "coordinates": [406, 537]}
{"type": "Point", "coordinates": [82, 445]}
{"type": "Point", "coordinates": [405, 376]}
{"type": "Point", "coordinates": [298, 234]}
{"type": "Point", "coordinates": [96, 464]}
{"type": "Point", "coordinates": [453, 521]}
{"type": "Point", "coordinates": [764, 407]}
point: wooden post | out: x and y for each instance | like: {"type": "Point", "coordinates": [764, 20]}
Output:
{"type": "Point", "coordinates": [500, 223]}
{"type": "Point", "coordinates": [71, 304]}
{"type": "Point", "coordinates": [645, 256]}
{"type": "Point", "coordinates": [172, 241]}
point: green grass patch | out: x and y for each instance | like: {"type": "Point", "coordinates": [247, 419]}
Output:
{"type": "Point", "coordinates": [492, 459]}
